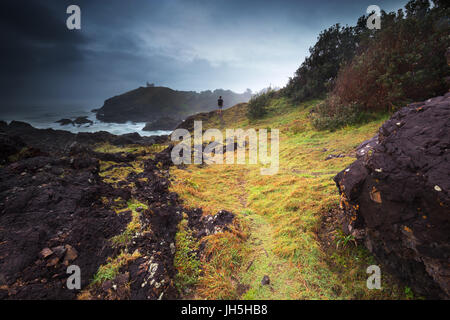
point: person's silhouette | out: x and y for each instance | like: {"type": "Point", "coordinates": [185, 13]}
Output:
{"type": "Point", "coordinates": [220, 104]}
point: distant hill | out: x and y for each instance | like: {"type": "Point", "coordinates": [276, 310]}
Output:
{"type": "Point", "coordinates": [149, 104]}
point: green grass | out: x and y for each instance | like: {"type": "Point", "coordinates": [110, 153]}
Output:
{"type": "Point", "coordinates": [109, 148]}
{"type": "Point", "coordinates": [186, 261]}
{"type": "Point", "coordinates": [281, 214]}
{"type": "Point", "coordinates": [110, 270]}
{"type": "Point", "coordinates": [133, 226]}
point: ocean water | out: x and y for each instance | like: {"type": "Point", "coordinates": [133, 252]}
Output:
{"type": "Point", "coordinates": [44, 119]}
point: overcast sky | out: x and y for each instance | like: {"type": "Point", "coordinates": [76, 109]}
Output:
{"type": "Point", "coordinates": [182, 44]}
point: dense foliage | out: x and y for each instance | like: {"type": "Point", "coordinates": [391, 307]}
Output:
{"type": "Point", "coordinates": [315, 76]}
{"type": "Point", "coordinates": [405, 61]}
{"type": "Point", "coordinates": [258, 104]}
{"type": "Point", "coordinates": [367, 71]}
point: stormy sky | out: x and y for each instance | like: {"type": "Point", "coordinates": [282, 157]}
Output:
{"type": "Point", "coordinates": [183, 44]}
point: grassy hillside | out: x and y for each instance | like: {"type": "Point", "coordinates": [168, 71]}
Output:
{"type": "Point", "coordinates": [284, 228]}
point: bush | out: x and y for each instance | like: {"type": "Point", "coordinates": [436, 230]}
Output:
{"type": "Point", "coordinates": [335, 45]}
{"type": "Point", "coordinates": [257, 106]}
{"type": "Point", "coordinates": [332, 117]}
{"type": "Point", "coordinates": [404, 61]}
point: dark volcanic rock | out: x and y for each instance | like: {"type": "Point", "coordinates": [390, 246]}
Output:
{"type": "Point", "coordinates": [65, 122]}
{"type": "Point", "coordinates": [164, 123]}
{"type": "Point", "coordinates": [265, 280]}
{"type": "Point", "coordinates": [204, 225]}
{"type": "Point", "coordinates": [78, 121]}
{"type": "Point", "coordinates": [188, 123]}
{"type": "Point", "coordinates": [129, 138]}
{"type": "Point", "coordinates": [52, 216]}
{"type": "Point", "coordinates": [3, 125]}
{"type": "Point", "coordinates": [60, 141]}
{"type": "Point", "coordinates": [396, 196]}
{"type": "Point", "coordinates": [9, 145]}
{"type": "Point", "coordinates": [83, 120]}
{"type": "Point", "coordinates": [56, 211]}
{"type": "Point", "coordinates": [19, 125]}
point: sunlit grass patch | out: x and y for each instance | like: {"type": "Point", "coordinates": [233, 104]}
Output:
{"type": "Point", "coordinates": [212, 187]}
{"type": "Point", "coordinates": [112, 172]}
{"type": "Point", "coordinates": [109, 148]}
{"type": "Point", "coordinates": [221, 262]}
{"type": "Point", "coordinates": [110, 270]}
{"type": "Point", "coordinates": [134, 148]}
{"type": "Point", "coordinates": [133, 226]}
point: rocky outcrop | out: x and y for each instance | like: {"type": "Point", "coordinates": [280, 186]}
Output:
{"type": "Point", "coordinates": [57, 209]}
{"type": "Point", "coordinates": [65, 122]}
{"type": "Point", "coordinates": [52, 216]}
{"type": "Point", "coordinates": [151, 103]}
{"type": "Point", "coordinates": [163, 123]}
{"type": "Point", "coordinates": [78, 121]}
{"type": "Point", "coordinates": [60, 141]}
{"type": "Point", "coordinates": [396, 196]}
{"type": "Point", "coordinates": [188, 123]}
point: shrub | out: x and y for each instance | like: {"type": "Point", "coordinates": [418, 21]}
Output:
{"type": "Point", "coordinates": [403, 62]}
{"type": "Point", "coordinates": [316, 75]}
{"type": "Point", "coordinates": [257, 106]}
{"type": "Point", "coordinates": [323, 119]}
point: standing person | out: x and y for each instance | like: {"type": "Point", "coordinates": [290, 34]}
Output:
{"type": "Point", "coordinates": [220, 104]}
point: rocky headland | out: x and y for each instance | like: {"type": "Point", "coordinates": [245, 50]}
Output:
{"type": "Point", "coordinates": [154, 104]}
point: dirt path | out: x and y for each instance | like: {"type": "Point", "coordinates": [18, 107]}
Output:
{"type": "Point", "coordinates": [262, 261]}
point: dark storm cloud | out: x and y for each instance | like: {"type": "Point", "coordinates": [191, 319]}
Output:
{"type": "Point", "coordinates": [183, 44]}
{"type": "Point", "coordinates": [33, 37]}
{"type": "Point", "coordinates": [35, 44]}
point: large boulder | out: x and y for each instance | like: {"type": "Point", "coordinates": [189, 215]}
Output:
{"type": "Point", "coordinates": [396, 196]}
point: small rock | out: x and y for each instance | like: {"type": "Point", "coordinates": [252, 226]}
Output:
{"type": "Point", "coordinates": [46, 252]}
{"type": "Point", "coordinates": [152, 269]}
{"type": "Point", "coordinates": [122, 278]}
{"type": "Point", "coordinates": [59, 251]}
{"type": "Point", "coordinates": [334, 156]}
{"type": "Point", "coordinates": [71, 253]}
{"type": "Point", "coordinates": [53, 262]}
{"type": "Point", "coordinates": [107, 285]}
